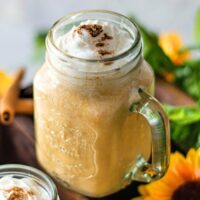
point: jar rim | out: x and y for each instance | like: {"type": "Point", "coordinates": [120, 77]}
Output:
{"type": "Point", "coordinates": [28, 171]}
{"type": "Point", "coordinates": [135, 47]}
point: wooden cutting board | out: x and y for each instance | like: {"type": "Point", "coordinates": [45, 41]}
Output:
{"type": "Point", "coordinates": [17, 140]}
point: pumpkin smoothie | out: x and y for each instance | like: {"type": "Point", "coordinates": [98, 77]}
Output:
{"type": "Point", "coordinates": [86, 136]}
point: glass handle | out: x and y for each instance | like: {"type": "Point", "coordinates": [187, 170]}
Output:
{"type": "Point", "coordinates": [152, 110]}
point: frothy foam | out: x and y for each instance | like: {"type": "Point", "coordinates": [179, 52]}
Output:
{"type": "Point", "coordinates": [24, 188]}
{"type": "Point", "coordinates": [94, 39]}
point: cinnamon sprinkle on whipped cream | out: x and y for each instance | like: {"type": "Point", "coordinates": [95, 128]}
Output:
{"type": "Point", "coordinates": [17, 193]}
{"type": "Point", "coordinates": [104, 52]}
{"type": "Point", "coordinates": [106, 37]}
{"type": "Point", "coordinates": [100, 44]}
{"type": "Point", "coordinates": [12, 188]}
{"type": "Point", "coordinates": [93, 39]}
{"type": "Point", "coordinates": [93, 29]}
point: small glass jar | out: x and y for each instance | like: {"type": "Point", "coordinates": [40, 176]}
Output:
{"type": "Point", "coordinates": [96, 130]}
{"type": "Point", "coordinates": [36, 176]}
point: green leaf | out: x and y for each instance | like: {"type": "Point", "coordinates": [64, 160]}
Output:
{"type": "Point", "coordinates": [187, 78]}
{"type": "Point", "coordinates": [197, 27]}
{"type": "Point", "coordinates": [185, 126]}
{"type": "Point", "coordinates": [183, 115]}
{"type": "Point", "coordinates": [186, 136]}
{"type": "Point", "coordinates": [39, 46]}
{"type": "Point", "coordinates": [193, 63]}
{"type": "Point", "coordinates": [40, 39]}
{"type": "Point", "coordinates": [153, 53]}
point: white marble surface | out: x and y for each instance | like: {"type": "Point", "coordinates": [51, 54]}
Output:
{"type": "Point", "coordinates": [20, 19]}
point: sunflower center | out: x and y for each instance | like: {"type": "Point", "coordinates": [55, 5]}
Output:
{"type": "Point", "coordinates": [187, 191]}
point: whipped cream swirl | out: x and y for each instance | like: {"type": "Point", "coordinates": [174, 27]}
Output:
{"type": "Point", "coordinates": [94, 39]}
{"type": "Point", "coordinates": [24, 189]}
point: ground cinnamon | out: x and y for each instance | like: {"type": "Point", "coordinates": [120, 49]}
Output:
{"type": "Point", "coordinates": [17, 193]}
{"type": "Point", "coordinates": [10, 98]}
{"type": "Point", "coordinates": [93, 29]}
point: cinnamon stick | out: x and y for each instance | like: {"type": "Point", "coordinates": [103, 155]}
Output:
{"type": "Point", "coordinates": [23, 106]}
{"type": "Point", "coordinates": [10, 98]}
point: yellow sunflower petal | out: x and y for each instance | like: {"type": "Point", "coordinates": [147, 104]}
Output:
{"type": "Point", "coordinates": [5, 82]}
{"type": "Point", "coordinates": [149, 198]}
{"type": "Point", "coordinates": [176, 171]}
{"type": "Point", "coordinates": [138, 198]}
{"type": "Point", "coordinates": [143, 190]}
{"type": "Point", "coordinates": [193, 159]}
{"type": "Point", "coordinates": [180, 166]}
{"type": "Point", "coordinates": [163, 191]}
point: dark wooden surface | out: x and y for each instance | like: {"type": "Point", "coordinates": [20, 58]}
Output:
{"type": "Point", "coordinates": [168, 93]}
{"type": "Point", "coordinates": [17, 140]}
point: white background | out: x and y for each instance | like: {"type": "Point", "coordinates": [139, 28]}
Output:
{"type": "Point", "coordinates": [20, 19]}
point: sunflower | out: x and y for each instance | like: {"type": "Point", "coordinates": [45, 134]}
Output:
{"type": "Point", "coordinates": [171, 43]}
{"type": "Point", "coordinates": [181, 182]}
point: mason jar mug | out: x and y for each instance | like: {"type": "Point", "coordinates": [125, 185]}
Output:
{"type": "Point", "coordinates": [98, 130]}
